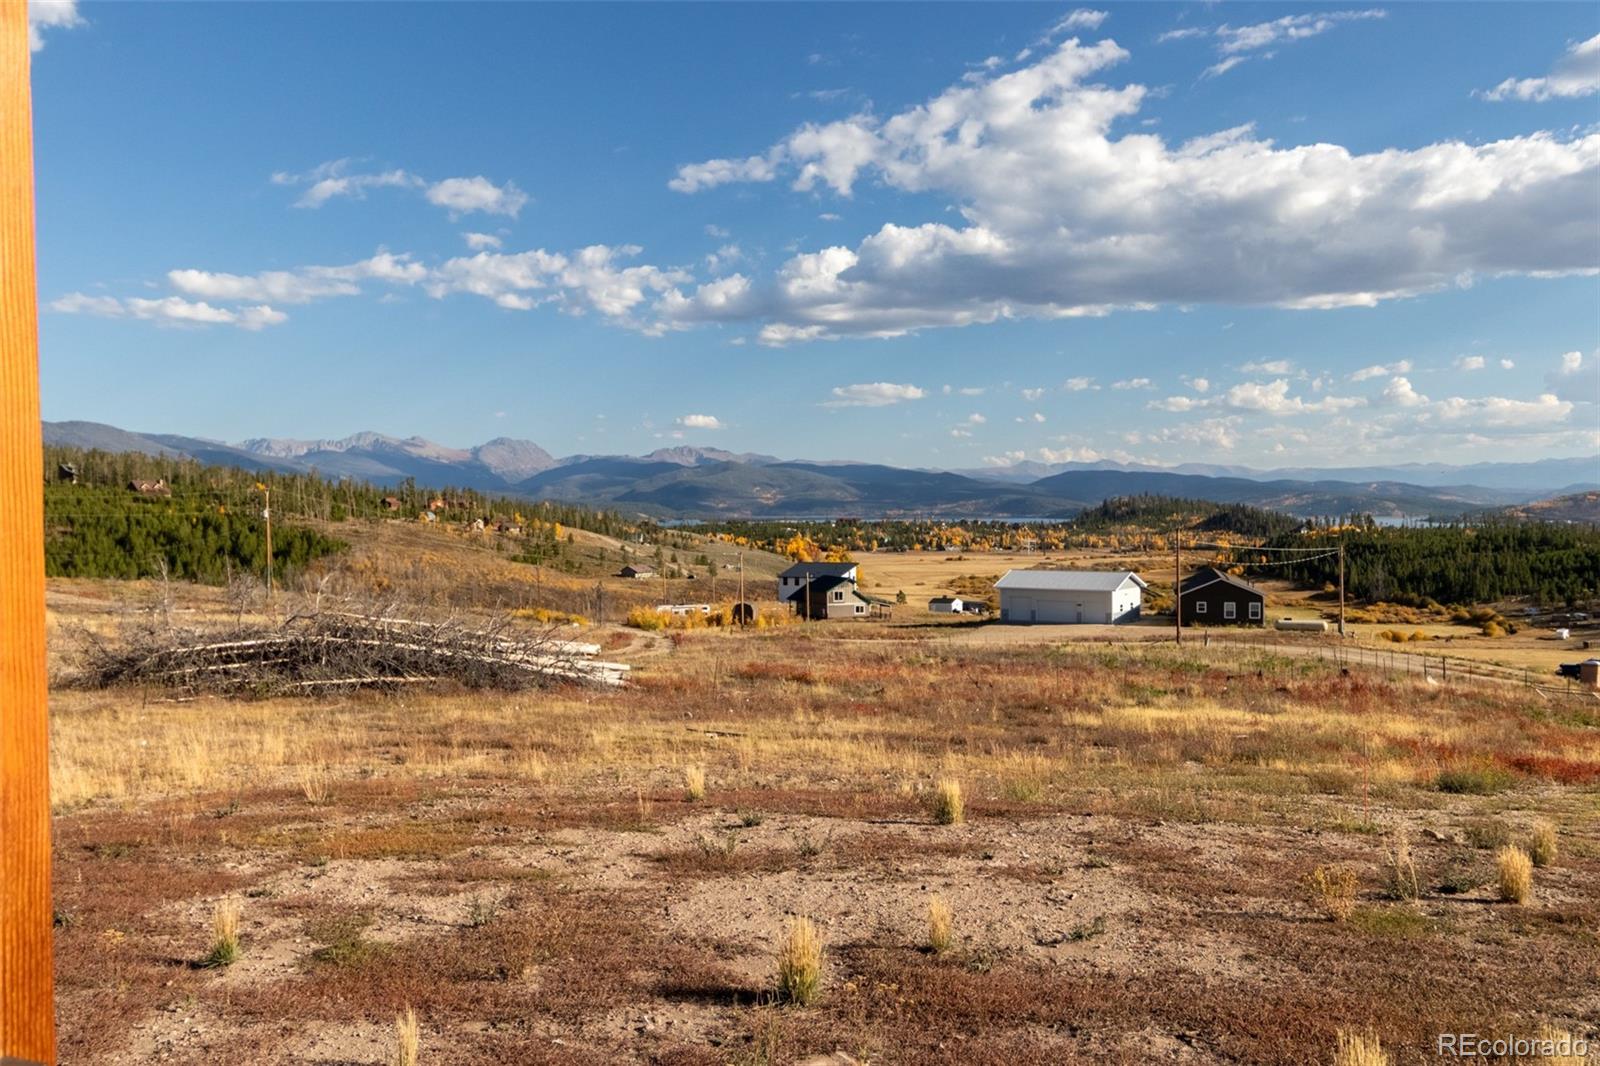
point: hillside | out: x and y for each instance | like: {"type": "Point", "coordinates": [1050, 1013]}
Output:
{"type": "Point", "coordinates": [708, 482]}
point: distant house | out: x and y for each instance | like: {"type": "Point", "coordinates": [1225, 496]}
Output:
{"type": "Point", "coordinates": [157, 487]}
{"type": "Point", "coordinates": [391, 503]}
{"type": "Point", "coordinates": [67, 472]}
{"type": "Point", "coordinates": [946, 605]}
{"type": "Point", "coordinates": [831, 596]}
{"type": "Point", "coordinates": [510, 529]}
{"type": "Point", "coordinates": [792, 582]}
{"type": "Point", "coordinates": [638, 572]}
{"type": "Point", "coordinates": [1212, 598]}
{"type": "Point", "coordinates": [1072, 596]}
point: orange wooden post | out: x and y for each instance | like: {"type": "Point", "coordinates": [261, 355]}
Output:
{"type": "Point", "coordinates": [27, 1016]}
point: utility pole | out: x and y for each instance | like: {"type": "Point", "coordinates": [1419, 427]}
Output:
{"type": "Point", "coordinates": [1341, 585]}
{"type": "Point", "coordinates": [599, 603]}
{"type": "Point", "coordinates": [808, 595]}
{"type": "Point", "coordinates": [266, 512]}
{"type": "Point", "coordinates": [1177, 589]}
{"type": "Point", "coordinates": [27, 1013]}
{"type": "Point", "coordinates": [740, 611]}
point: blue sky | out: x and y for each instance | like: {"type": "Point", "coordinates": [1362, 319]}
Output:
{"type": "Point", "coordinates": [941, 235]}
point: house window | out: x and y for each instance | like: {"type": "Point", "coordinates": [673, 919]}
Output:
{"type": "Point", "coordinates": [838, 597]}
{"type": "Point", "coordinates": [859, 608]}
{"type": "Point", "coordinates": [1230, 610]}
{"type": "Point", "coordinates": [1255, 611]}
{"type": "Point", "coordinates": [1200, 608]}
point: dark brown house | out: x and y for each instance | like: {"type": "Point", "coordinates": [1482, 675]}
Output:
{"type": "Point", "coordinates": [1213, 598]}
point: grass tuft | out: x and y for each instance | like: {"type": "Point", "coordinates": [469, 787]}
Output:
{"type": "Point", "coordinates": [224, 935]}
{"type": "Point", "coordinates": [948, 806]}
{"type": "Point", "coordinates": [1359, 1049]}
{"type": "Point", "coordinates": [1400, 869]}
{"type": "Point", "coordinates": [407, 1038]}
{"type": "Point", "coordinates": [940, 925]}
{"type": "Point", "coordinates": [1514, 874]}
{"type": "Point", "coordinates": [800, 963]}
{"type": "Point", "coordinates": [1333, 890]}
{"type": "Point", "coordinates": [694, 783]}
{"type": "Point", "coordinates": [1542, 845]}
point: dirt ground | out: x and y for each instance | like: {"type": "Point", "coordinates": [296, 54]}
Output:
{"type": "Point", "coordinates": [534, 875]}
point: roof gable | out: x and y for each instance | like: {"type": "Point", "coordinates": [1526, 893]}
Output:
{"type": "Point", "coordinates": [1211, 575]}
{"type": "Point", "coordinates": [817, 570]}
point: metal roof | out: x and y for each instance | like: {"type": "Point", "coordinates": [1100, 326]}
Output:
{"type": "Point", "coordinates": [1068, 580]}
{"type": "Point", "coordinates": [816, 569]}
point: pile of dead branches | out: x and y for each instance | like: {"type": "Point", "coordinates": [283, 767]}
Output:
{"type": "Point", "coordinates": [338, 650]}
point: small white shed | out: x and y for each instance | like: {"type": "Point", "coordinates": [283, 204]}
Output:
{"type": "Point", "coordinates": [946, 605]}
{"type": "Point", "coordinates": [1070, 596]}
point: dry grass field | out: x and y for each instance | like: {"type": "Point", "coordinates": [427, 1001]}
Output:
{"type": "Point", "coordinates": [1121, 845]}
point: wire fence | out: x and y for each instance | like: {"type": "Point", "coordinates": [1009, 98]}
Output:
{"type": "Point", "coordinates": [1435, 668]}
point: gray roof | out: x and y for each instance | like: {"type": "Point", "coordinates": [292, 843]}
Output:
{"type": "Point", "coordinates": [1069, 580]}
{"type": "Point", "coordinates": [818, 569]}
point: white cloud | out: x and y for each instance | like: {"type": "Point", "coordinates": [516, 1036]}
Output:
{"type": "Point", "coordinates": [1286, 30]}
{"type": "Point", "coordinates": [1578, 379]}
{"type": "Point", "coordinates": [1176, 403]}
{"type": "Point", "coordinates": [1399, 393]}
{"type": "Point", "coordinates": [1272, 366]}
{"type": "Point", "coordinates": [708, 175]}
{"type": "Point", "coordinates": [1576, 73]}
{"type": "Point", "coordinates": [479, 242]}
{"type": "Point", "coordinates": [170, 310]}
{"type": "Point", "coordinates": [724, 257]}
{"type": "Point", "coordinates": [1082, 18]}
{"type": "Point", "coordinates": [713, 230]}
{"type": "Point", "coordinates": [1133, 383]}
{"type": "Point", "coordinates": [700, 422]}
{"type": "Point", "coordinates": [588, 279]}
{"type": "Point", "coordinates": [1382, 370]}
{"type": "Point", "coordinates": [876, 394]}
{"type": "Point", "coordinates": [1200, 384]}
{"type": "Point", "coordinates": [1273, 398]}
{"type": "Point", "coordinates": [50, 14]}
{"type": "Point", "coordinates": [975, 419]}
{"type": "Point", "coordinates": [1222, 66]}
{"type": "Point", "coordinates": [1507, 364]}
{"type": "Point", "coordinates": [1470, 362]}
{"type": "Point", "coordinates": [1079, 384]}
{"type": "Point", "coordinates": [1060, 217]}
{"type": "Point", "coordinates": [298, 286]}
{"type": "Point", "coordinates": [1494, 412]}
{"type": "Point", "coordinates": [334, 179]}
{"type": "Point", "coordinates": [1032, 394]}
{"type": "Point", "coordinates": [462, 196]}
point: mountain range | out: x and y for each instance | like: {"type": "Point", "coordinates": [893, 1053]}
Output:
{"type": "Point", "coordinates": [703, 482]}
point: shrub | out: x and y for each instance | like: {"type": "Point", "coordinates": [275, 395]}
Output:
{"type": "Point", "coordinates": [407, 1038]}
{"type": "Point", "coordinates": [1542, 847]}
{"type": "Point", "coordinates": [1359, 1049]}
{"type": "Point", "coordinates": [751, 819]}
{"type": "Point", "coordinates": [224, 935]}
{"type": "Point", "coordinates": [1401, 881]}
{"type": "Point", "coordinates": [1333, 890]}
{"type": "Point", "coordinates": [948, 806]}
{"type": "Point", "coordinates": [694, 783]}
{"type": "Point", "coordinates": [800, 963]}
{"type": "Point", "coordinates": [647, 618]}
{"type": "Point", "coordinates": [1473, 781]}
{"type": "Point", "coordinates": [1492, 629]}
{"type": "Point", "coordinates": [940, 922]}
{"type": "Point", "coordinates": [1514, 874]}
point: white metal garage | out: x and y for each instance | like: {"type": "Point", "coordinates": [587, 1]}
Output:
{"type": "Point", "coordinates": [1072, 596]}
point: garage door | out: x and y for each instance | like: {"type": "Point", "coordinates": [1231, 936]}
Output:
{"type": "Point", "coordinates": [1059, 611]}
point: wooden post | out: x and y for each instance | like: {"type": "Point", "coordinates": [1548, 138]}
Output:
{"type": "Point", "coordinates": [266, 512]}
{"type": "Point", "coordinates": [27, 1014]}
{"type": "Point", "coordinates": [1177, 590]}
{"type": "Point", "coordinates": [1341, 584]}
{"type": "Point", "coordinates": [741, 589]}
